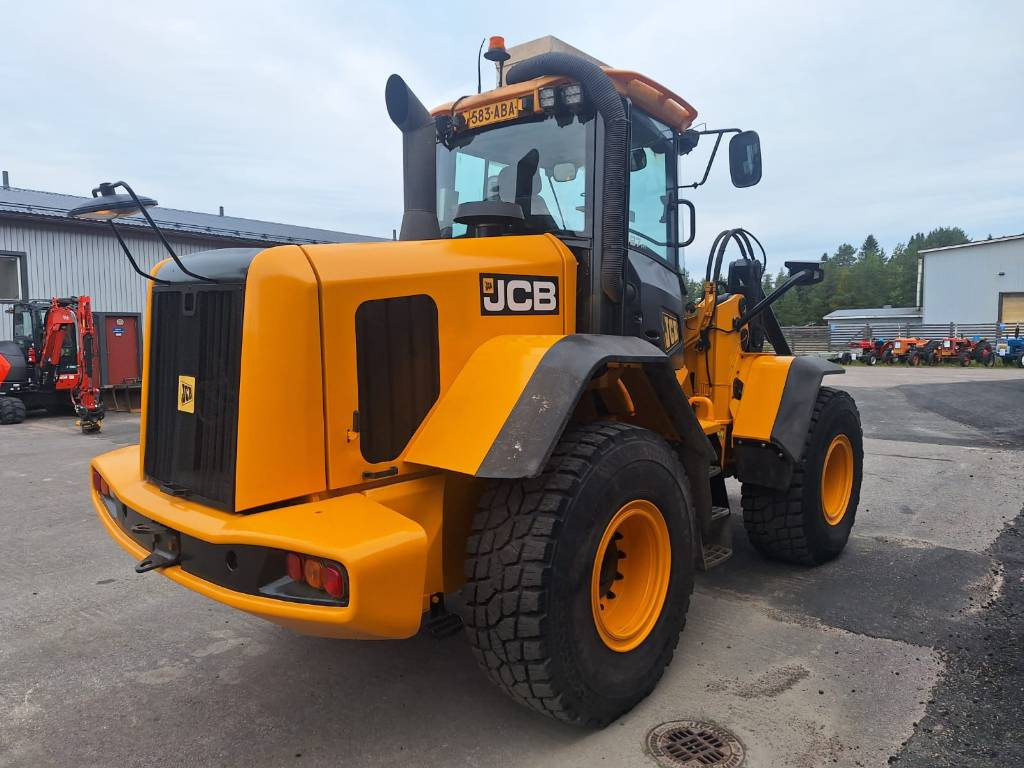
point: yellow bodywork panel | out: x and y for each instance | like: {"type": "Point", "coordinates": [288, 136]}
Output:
{"type": "Point", "coordinates": [280, 393]}
{"type": "Point", "coordinates": [449, 272]}
{"type": "Point", "coordinates": [764, 379]}
{"type": "Point", "coordinates": [460, 430]}
{"type": "Point", "coordinates": [385, 552]}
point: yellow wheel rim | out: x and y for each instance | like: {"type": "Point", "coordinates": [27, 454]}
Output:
{"type": "Point", "coordinates": [630, 576]}
{"type": "Point", "coordinates": [837, 479]}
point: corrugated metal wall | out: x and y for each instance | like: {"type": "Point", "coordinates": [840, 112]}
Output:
{"type": "Point", "coordinates": [67, 261]}
{"type": "Point", "coordinates": [963, 284]}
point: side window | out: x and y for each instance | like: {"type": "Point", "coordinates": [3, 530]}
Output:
{"type": "Point", "coordinates": [649, 218]}
{"type": "Point", "coordinates": [10, 278]}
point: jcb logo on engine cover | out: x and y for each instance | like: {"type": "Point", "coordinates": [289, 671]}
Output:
{"type": "Point", "coordinates": [187, 394]}
{"type": "Point", "coordinates": [518, 295]}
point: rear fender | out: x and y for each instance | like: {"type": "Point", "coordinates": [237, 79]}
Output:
{"type": "Point", "coordinates": [508, 407]}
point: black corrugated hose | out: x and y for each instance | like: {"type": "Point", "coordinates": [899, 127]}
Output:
{"type": "Point", "coordinates": [606, 100]}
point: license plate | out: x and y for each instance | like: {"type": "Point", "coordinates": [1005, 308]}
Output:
{"type": "Point", "coordinates": [493, 113]}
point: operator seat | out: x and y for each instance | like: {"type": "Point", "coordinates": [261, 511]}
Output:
{"type": "Point", "coordinates": [538, 217]}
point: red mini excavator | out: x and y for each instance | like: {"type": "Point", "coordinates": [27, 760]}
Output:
{"type": "Point", "coordinates": [49, 363]}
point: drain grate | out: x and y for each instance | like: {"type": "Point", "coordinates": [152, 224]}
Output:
{"type": "Point", "coordinates": [693, 744]}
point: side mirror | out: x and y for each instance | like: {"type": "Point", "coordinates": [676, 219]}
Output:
{"type": "Point", "coordinates": [637, 160]}
{"type": "Point", "coordinates": [564, 171]}
{"type": "Point", "coordinates": [745, 159]}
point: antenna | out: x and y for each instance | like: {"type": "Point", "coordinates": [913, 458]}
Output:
{"type": "Point", "coordinates": [479, 82]}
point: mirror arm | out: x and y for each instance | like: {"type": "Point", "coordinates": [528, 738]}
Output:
{"type": "Point", "coordinates": [771, 298]}
{"type": "Point", "coordinates": [718, 133]}
{"type": "Point", "coordinates": [159, 234]}
{"type": "Point", "coordinates": [131, 259]}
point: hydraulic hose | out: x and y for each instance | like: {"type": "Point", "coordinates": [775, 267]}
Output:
{"type": "Point", "coordinates": [606, 100]}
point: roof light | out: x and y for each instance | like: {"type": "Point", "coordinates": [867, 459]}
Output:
{"type": "Point", "coordinates": [496, 49]}
{"type": "Point", "coordinates": [572, 95]}
{"type": "Point", "coordinates": [547, 98]}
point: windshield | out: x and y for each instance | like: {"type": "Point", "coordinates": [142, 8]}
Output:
{"type": "Point", "coordinates": [485, 166]}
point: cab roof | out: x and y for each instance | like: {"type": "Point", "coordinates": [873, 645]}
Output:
{"type": "Point", "coordinates": [652, 97]}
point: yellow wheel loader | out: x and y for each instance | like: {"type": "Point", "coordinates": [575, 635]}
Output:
{"type": "Point", "coordinates": [512, 418]}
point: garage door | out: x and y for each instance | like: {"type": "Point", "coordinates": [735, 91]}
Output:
{"type": "Point", "coordinates": [1011, 307]}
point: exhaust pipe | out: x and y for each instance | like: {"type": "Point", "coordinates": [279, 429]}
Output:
{"type": "Point", "coordinates": [419, 160]}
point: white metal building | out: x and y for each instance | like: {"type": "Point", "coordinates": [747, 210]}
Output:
{"type": "Point", "coordinates": [981, 282]}
{"type": "Point", "coordinates": [43, 253]}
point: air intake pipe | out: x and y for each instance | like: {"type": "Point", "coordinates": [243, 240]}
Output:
{"type": "Point", "coordinates": [601, 92]}
{"type": "Point", "coordinates": [419, 160]}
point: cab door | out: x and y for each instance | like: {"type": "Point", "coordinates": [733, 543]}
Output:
{"type": "Point", "coordinates": [654, 299]}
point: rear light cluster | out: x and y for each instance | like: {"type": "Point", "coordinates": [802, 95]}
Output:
{"type": "Point", "coordinates": [100, 485]}
{"type": "Point", "coordinates": [324, 575]}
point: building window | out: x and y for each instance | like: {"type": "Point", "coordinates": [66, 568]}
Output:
{"type": "Point", "coordinates": [10, 277]}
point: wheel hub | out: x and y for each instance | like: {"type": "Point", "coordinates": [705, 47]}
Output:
{"type": "Point", "coordinates": [630, 575]}
{"type": "Point", "coordinates": [837, 479]}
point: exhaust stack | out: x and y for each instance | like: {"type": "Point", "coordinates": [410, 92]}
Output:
{"type": "Point", "coordinates": [419, 160]}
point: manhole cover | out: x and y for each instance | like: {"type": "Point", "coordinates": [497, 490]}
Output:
{"type": "Point", "coordinates": [693, 744]}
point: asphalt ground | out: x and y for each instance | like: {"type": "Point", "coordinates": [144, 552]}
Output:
{"type": "Point", "coordinates": [907, 649]}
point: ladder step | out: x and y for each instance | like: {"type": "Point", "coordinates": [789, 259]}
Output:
{"type": "Point", "coordinates": [716, 554]}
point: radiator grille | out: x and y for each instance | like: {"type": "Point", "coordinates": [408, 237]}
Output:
{"type": "Point", "coordinates": [195, 332]}
{"type": "Point", "coordinates": [398, 371]}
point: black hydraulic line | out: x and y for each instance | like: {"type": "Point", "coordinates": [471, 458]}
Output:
{"type": "Point", "coordinates": [131, 259]}
{"type": "Point", "coordinates": [160, 234]}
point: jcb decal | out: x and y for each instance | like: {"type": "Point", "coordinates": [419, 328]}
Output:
{"type": "Point", "coordinates": [187, 394]}
{"type": "Point", "coordinates": [669, 330]}
{"type": "Point", "coordinates": [518, 295]}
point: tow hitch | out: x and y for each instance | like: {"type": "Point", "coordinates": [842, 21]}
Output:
{"type": "Point", "coordinates": [165, 546]}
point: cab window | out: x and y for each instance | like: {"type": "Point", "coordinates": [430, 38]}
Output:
{"type": "Point", "coordinates": [650, 156]}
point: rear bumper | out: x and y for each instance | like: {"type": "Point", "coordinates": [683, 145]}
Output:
{"type": "Point", "coordinates": [384, 552]}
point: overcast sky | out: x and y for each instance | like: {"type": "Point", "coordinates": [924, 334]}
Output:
{"type": "Point", "coordinates": [880, 117]}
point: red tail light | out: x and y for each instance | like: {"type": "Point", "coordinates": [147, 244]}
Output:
{"type": "Point", "coordinates": [99, 484]}
{"type": "Point", "coordinates": [294, 563]}
{"type": "Point", "coordinates": [334, 581]}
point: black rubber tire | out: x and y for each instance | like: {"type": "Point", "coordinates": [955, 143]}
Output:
{"type": "Point", "coordinates": [1020, 361]}
{"type": "Point", "coordinates": [789, 525]}
{"type": "Point", "coordinates": [528, 563]}
{"type": "Point", "coordinates": [965, 359]}
{"type": "Point", "coordinates": [870, 359]}
{"type": "Point", "coordinates": [984, 355]}
{"type": "Point", "coordinates": [12, 410]}
{"type": "Point", "coordinates": [914, 359]}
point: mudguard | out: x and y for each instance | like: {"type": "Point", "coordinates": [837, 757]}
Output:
{"type": "Point", "coordinates": [772, 415]}
{"type": "Point", "coordinates": [508, 407]}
